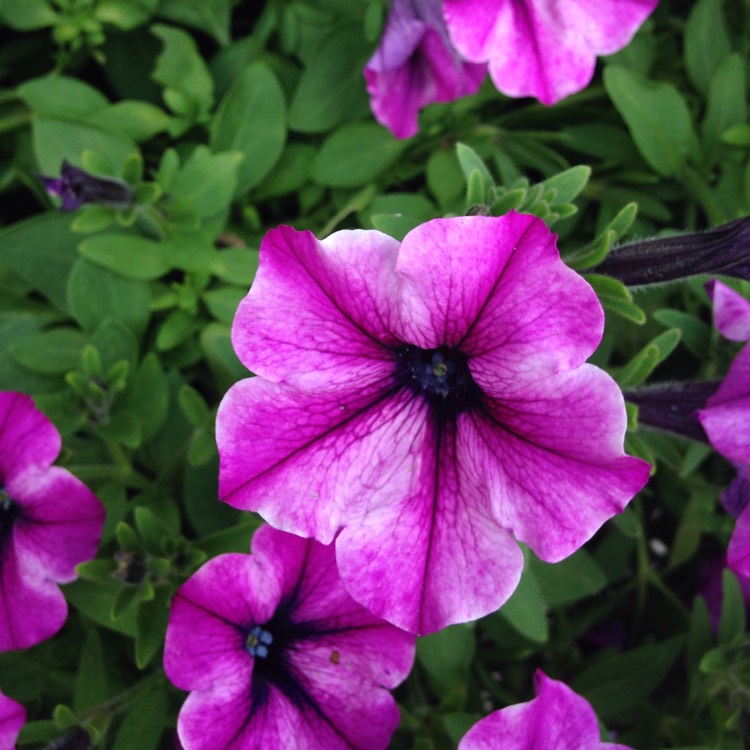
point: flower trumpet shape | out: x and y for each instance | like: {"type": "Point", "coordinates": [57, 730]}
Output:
{"type": "Point", "coordinates": [726, 419]}
{"type": "Point", "coordinates": [49, 522]}
{"type": "Point", "coordinates": [12, 718]}
{"type": "Point", "coordinates": [76, 187]}
{"type": "Point", "coordinates": [415, 65]}
{"type": "Point", "coordinates": [278, 655]}
{"type": "Point", "coordinates": [429, 399]}
{"type": "Point", "coordinates": [543, 48]}
{"type": "Point", "coordinates": [557, 719]}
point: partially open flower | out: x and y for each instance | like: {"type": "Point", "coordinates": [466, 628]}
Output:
{"type": "Point", "coordinates": [12, 718]}
{"type": "Point", "coordinates": [49, 522]}
{"type": "Point", "coordinates": [431, 399]}
{"type": "Point", "coordinates": [76, 187]}
{"type": "Point", "coordinates": [278, 655]}
{"type": "Point", "coordinates": [543, 48]}
{"type": "Point", "coordinates": [557, 719]}
{"type": "Point", "coordinates": [415, 65]}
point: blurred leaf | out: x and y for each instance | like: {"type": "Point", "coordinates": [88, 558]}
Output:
{"type": "Point", "coordinates": [63, 96]}
{"type": "Point", "coordinates": [470, 162]}
{"type": "Point", "coordinates": [657, 117]}
{"type": "Point", "coordinates": [447, 655]}
{"type": "Point", "coordinates": [145, 721]}
{"type": "Point", "coordinates": [212, 17]}
{"type": "Point", "coordinates": [732, 622]}
{"type": "Point", "coordinates": [151, 627]}
{"type": "Point", "coordinates": [574, 578]}
{"type": "Point", "coordinates": [568, 184]}
{"type": "Point", "coordinates": [27, 15]}
{"type": "Point", "coordinates": [725, 105]}
{"type": "Point", "coordinates": [92, 685]}
{"type": "Point", "coordinates": [526, 610]}
{"type": "Point", "coordinates": [128, 255]}
{"type": "Point", "coordinates": [615, 297]}
{"type": "Point", "coordinates": [139, 120]}
{"type": "Point", "coordinates": [696, 335]}
{"type": "Point", "coordinates": [150, 397]}
{"type": "Point", "coordinates": [645, 362]}
{"type": "Point", "coordinates": [251, 120]}
{"type": "Point", "coordinates": [126, 14]}
{"type": "Point", "coordinates": [50, 352]}
{"type": "Point", "coordinates": [706, 42]}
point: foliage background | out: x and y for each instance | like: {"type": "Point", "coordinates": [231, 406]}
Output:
{"type": "Point", "coordinates": [230, 117]}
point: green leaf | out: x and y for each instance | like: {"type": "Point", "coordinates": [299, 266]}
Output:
{"type": "Point", "coordinates": [657, 117]}
{"type": "Point", "coordinates": [355, 155]}
{"type": "Point", "coordinates": [177, 327]}
{"type": "Point", "coordinates": [97, 601]}
{"type": "Point", "coordinates": [151, 628]}
{"type": "Point", "coordinates": [144, 723]}
{"type": "Point", "coordinates": [92, 685]}
{"type": "Point", "coordinates": [139, 120]}
{"type": "Point", "coordinates": [617, 684]}
{"type": "Point", "coordinates": [237, 265]}
{"type": "Point", "coordinates": [290, 172]}
{"type": "Point", "coordinates": [331, 90]}
{"type": "Point", "coordinates": [150, 398]}
{"type": "Point", "coordinates": [732, 622]}
{"type": "Point", "coordinates": [615, 297]}
{"type": "Point", "coordinates": [62, 96]}
{"type": "Point", "coordinates": [725, 104]}
{"type": "Point", "coordinates": [446, 656]}
{"type": "Point", "coordinates": [470, 161]}
{"type": "Point", "coordinates": [131, 256]}
{"type": "Point", "coordinates": [699, 637]}
{"type": "Point", "coordinates": [50, 352]}
{"type": "Point", "coordinates": [444, 178]}
{"type": "Point", "coordinates": [216, 343]}
{"type": "Point", "coordinates": [210, 17]}
{"type": "Point", "coordinates": [92, 218]}
{"type": "Point", "coordinates": [648, 358]}
{"type": "Point", "coordinates": [122, 427]}
{"type": "Point", "coordinates": [568, 184]}
{"type": "Point", "coordinates": [126, 14]}
{"type": "Point", "coordinates": [95, 293]}
{"type": "Point", "coordinates": [706, 42]}
{"type": "Point", "coordinates": [251, 120]}
{"type": "Point", "coordinates": [696, 335]}
{"type": "Point", "coordinates": [193, 406]}
{"type": "Point", "coordinates": [151, 529]}
{"type": "Point", "coordinates": [526, 610]}
{"type": "Point", "coordinates": [180, 69]}
{"type": "Point", "coordinates": [222, 303]}
{"type": "Point", "coordinates": [27, 15]}
{"type": "Point", "coordinates": [574, 578]}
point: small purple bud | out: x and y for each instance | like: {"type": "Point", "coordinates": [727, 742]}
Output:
{"type": "Point", "coordinates": [723, 250]}
{"type": "Point", "coordinates": [76, 187]}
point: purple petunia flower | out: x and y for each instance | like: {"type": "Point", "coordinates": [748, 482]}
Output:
{"type": "Point", "coordinates": [76, 187]}
{"type": "Point", "coordinates": [726, 419]}
{"type": "Point", "coordinates": [557, 719]}
{"type": "Point", "coordinates": [415, 65]}
{"type": "Point", "coordinates": [278, 655]}
{"type": "Point", "coordinates": [49, 522]}
{"type": "Point", "coordinates": [12, 718]}
{"type": "Point", "coordinates": [543, 48]}
{"type": "Point", "coordinates": [430, 398]}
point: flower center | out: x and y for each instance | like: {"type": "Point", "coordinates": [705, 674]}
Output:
{"type": "Point", "coordinates": [441, 375]}
{"type": "Point", "coordinates": [258, 641]}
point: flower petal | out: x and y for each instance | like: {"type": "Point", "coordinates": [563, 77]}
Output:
{"type": "Point", "coordinates": [552, 457]}
{"type": "Point", "coordinates": [319, 314]}
{"type": "Point", "coordinates": [731, 311]}
{"type": "Point", "coordinates": [27, 437]}
{"type": "Point", "coordinates": [542, 48]}
{"type": "Point", "coordinates": [738, 553]}
{"type": "Point", "coordinates": [205, 639]}
{"type": "Point", "coordinates": [496, 286]}
{"type": "Point", "coordinates": [12, 718]}
{"type": "Point", "coordinates": [557, 719]}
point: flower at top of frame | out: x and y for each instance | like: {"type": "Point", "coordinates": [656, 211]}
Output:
{"type": "Point", "coordinates": [726, 419]}
{"type": "Point", "coordinates": [278, 655]}
{"type": "Point", "coordinates": [556, 719]}
{"type": "Point", "coordinates": [415, 65]}
{"type": "Point", "coordinates": [12, 718]}
{"type": "Point", "coordinates": [428, 399]}
{"type": "Point", "coordinates": [76, 187]}
{"type": "Point", "coordinates": [543, 48]}
{"type": "Point", "coordinates": [49, 522]}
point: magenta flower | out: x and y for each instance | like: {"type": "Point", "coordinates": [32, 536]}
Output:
{"type": "Point", "coordinates": [415, 65]}
{"type": "Point", "coordinates": [726, 419]}
{"type": "Point", "coordinates": [49, 522]}
{"type": "Point", "coordinates": [543, 48]}
{"type": "Point", "coordinates": [12, 718]}
{"type": "Point", "coordinates": [430, 398]}
{"type": "Point", "coordinates": [557, 719]}
{"type": "Point", "coordinates": [278, 655]}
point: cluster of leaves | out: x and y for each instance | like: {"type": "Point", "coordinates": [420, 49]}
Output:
{"type": "Point", "coordinates": [229, 117]}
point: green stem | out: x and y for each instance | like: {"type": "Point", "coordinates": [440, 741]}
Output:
{"type": "Point", "coordinates": [702, 193]}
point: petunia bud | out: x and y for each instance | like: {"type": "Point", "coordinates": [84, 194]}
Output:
{"type": "Point", "coordinates": [76, 187]}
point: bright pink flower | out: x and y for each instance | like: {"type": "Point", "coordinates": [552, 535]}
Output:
{"type": "Point", "coordinates": [543, 48]}
{"type": "Point", "coordinates": [49, 522]}
{"type": "Point", "coordinates": [278, 655]}
{"type": "Point", "coordinates": [12, 718]}
{"type": "Point", "coordinates": [726, 419]}
{"type": "Point", "coordinates": [415, 65]}
{"type": "Point", "coordinates": [430, 398]}
{"type": "Point", "coordinates": [557, 719]}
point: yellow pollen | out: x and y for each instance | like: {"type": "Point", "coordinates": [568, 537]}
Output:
{"type": "Point", "coordinates": [440, 369]}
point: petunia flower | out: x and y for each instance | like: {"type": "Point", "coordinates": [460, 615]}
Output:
{"type": "Point", "coordinates": [726, 419]}
{"type": "Point", "coordinates": [12, 718]}
{"type": "Point", "coordinates": [556, 719]}
{"type": "Point", "coordinates": [49, 522]}
{"type": "Point", "coordinates": [415, 65]}
{"type": "Point", "coordinates": [542, 48]}
{"type": "Point", "coordinates": [278, 655]}
{"type": "Point", "coordinates": [76, 187]}
{"type": "Point", "coordinates": [429, 400]}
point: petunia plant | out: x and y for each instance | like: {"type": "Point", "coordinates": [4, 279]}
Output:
{"type": "Point", "coordinates": [360, 383]}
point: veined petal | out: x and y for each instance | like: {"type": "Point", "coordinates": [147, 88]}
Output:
{"type": "Point", "coordinates": [327, 459]}
{"type": "Point", "coordinates": [60, 524]}
{"type": "Point", "coordinates": [738, 552]}
{"type": "Point", "coordinates": [205, 643]}
{"type": "Point", "coordinates": [437, 556]}
{"type": "Point", "coordinates": [542, 48]}
{"type": "Point", "coordinates": [731, 311]}
{"type": "Point", "coordinates": [12, 718]}
{"type": "Point", "coordinates": [557, 719]}
{"type": "Point", "coordinates": [319, 314]}
{"type": "Point", "coordinates": [552, 456]}
{"type": "Point", "coordinates": [496, 287]}
{"type": "Point", "coordinates": [27, 437]}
